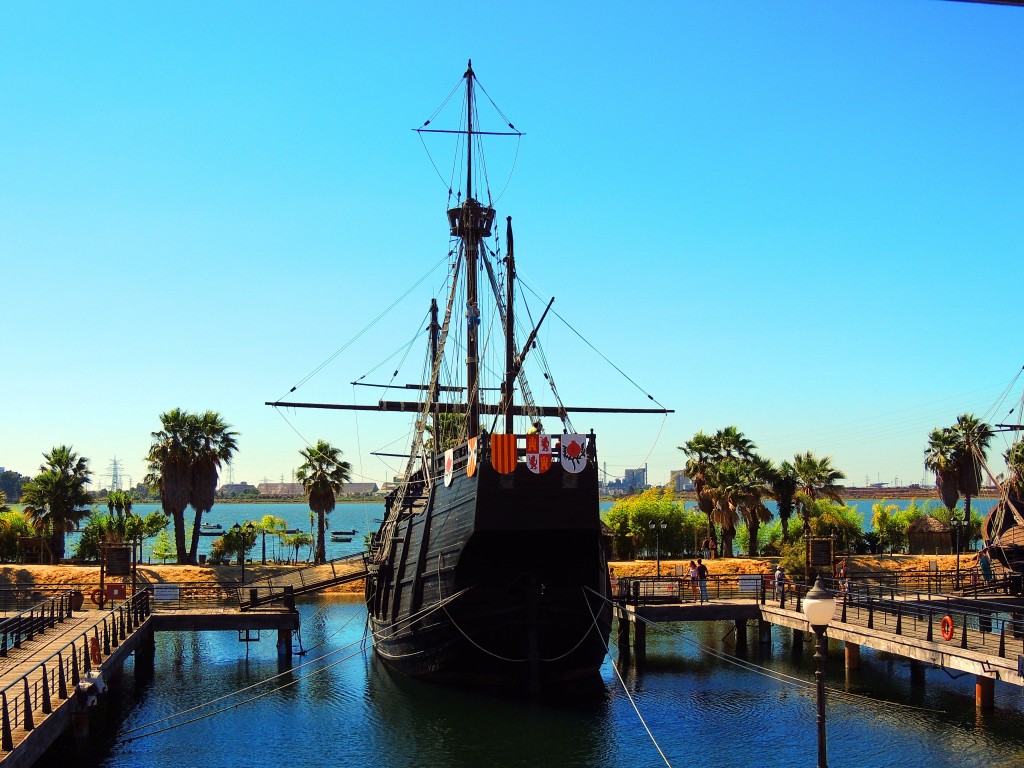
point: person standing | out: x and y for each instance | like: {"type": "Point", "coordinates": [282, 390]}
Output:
{"type": "Point", "coordinates": [693, 579]}
{"type": "Point", "coordinates": [780, 584]}
{"type": "Point", "coordinates": [702, 579]}
{"type": "Point", "coordinates": [985, 564]}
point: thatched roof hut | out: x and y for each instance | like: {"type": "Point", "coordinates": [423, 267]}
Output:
{"type": "Point", "coordinates": [928, 536]}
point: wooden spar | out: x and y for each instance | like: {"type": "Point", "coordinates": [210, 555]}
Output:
{"type": "Point", "coordinates": [471, 242]}
{"type": "Point", "coordinates": [398, 406]}
{"type": "Point", "coordinates": [510, 333]}
{"type": "Point", "coordinates": [516, 366]}
{"type": "Point", "coordinates": [435, 331]}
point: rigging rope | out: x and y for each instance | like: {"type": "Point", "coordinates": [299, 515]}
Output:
{"type": "Point", "coordinates": [365, 328]}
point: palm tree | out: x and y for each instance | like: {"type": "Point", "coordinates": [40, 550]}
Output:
{"type": "Point", "coordinates": [170, 471]}
{"type": "Point", "coordinates": [273, 525]}
{"type": "Point", "coordinates": [940, 458]}
{"type": "Point", "coordinates": [973, 438]}
{"type": "Point", "coordinates": [816, 478]}
{"type": "Point", "coordinates": [322, 475]}
{"type": "Point", "coordinates": [701, 451]}
{"type": "Point", "coordinates": [213, 445]}
{"type": "Point", "coordinates": [56, 499]}
{"type": "Point", "coordinates": [783, 482]}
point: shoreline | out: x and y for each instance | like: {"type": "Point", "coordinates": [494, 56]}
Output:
{"type": "Point", "coordinates": [19, 576]}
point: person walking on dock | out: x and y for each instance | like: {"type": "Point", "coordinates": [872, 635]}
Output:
{"type": "Point", "coordinates": [702, 579]}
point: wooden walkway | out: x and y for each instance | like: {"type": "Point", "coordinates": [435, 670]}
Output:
{"type": "Point", "coordinates": [984, 635]}
{"type": "Point", "coordinates": [50, 653]}
{"type": "Point", "coordinates": [314, 578]}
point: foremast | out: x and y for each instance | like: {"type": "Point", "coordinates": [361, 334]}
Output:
{"type": "Point", "coordinates": [471, 223]}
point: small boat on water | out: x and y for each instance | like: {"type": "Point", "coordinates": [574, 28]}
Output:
{"type": "Point", "coordinates": [293, 531]}
{"type": "Point", "coordinates": [211, 529]}
{"type": "Point", "coordinates": [340, 539]}
{"type": "Point", "coordinates": [489, 567]}
{"type": "Point", "coordinates": [352, 532]}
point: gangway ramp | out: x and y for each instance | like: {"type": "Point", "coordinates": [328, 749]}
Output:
{"type": "Point", "coordinates": [313, 578]}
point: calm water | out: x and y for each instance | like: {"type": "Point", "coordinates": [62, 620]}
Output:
{"type": "Point", "coordinates": [362, 517]}
{"type": "Point", "coordinates": [343, 709]}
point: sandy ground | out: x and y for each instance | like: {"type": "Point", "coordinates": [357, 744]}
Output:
{"type": "Point", "coordinates": [84, 575]}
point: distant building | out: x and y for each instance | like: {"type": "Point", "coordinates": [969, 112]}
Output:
{"type": "Point", "coordinates": [237, 489]}
{"type": "Point", "coordinates": [359, 489]}
{"type": "Point", "coordinates": [633, 481]}
{"type": "Point", "coordinates": [280, 489]}
{"type": "Point", "coordinates": [679, 481]}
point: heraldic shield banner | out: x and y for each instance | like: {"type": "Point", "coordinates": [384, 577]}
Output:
{"type": "Point", "coordinates": [449, 466]}
{"type": "Point", "coordinates": [503, 453]}
{"type": "Point", "coordinates": [471, 457]}
{"type": "Point", "coordinates": [538, 453]}
{"type": "Point", "coordinates": [573, 453]}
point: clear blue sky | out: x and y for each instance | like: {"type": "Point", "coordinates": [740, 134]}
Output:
{"type": "Point", "coordinates": [802, 218]}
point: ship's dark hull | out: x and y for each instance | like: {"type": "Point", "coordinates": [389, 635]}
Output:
{"type": "Point", "coordinates": [498, 580]}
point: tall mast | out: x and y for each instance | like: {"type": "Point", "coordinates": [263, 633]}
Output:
{"type": "Point", "coordinates": [435, 332]}
{"type": "Point", "coordinates": [510, 338]}
{"type": "Point", "coordinates": [471, 222]}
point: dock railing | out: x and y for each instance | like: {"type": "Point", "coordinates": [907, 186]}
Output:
{"type": "Point", "coordinates": [59, 673]}
{"type": "Point", "coordinates": [35, 620]}
{"type": "Point", "coordinates": [987, 626]}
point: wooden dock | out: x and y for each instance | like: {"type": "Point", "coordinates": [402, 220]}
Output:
{"type": "Point", "coordinates": [51, 657]}
{"type": "Point", "coordinates": [984, 636]}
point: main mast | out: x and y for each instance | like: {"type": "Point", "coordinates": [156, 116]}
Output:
{"type": "Point", "coordinates": [472, 223]}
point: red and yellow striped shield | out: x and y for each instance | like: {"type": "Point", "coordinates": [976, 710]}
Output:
{"type": "Point", "coordinates": [471, 457]}
{"type": "Point", "coordinates": [503, 453]}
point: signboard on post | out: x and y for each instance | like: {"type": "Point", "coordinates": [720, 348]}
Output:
{"type": "Point", "coordinates": [119, 561]}
{"type": "Point", "coordinates": [820, 552]}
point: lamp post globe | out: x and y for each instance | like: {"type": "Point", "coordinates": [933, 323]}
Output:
{"type": "Point", "coordinates": [819, 607]}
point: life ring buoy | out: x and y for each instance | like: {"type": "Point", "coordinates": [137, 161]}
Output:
{"type": "Point", "coordinates": [947, 627]}
{"type": "Point", "coordinates": [94, 650]}
{"type": "Point", "coordinates": [95, 595]}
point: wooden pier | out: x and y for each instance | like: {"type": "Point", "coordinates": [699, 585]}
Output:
{"type": "Point", "coordinates": [979, 635]}
{"type": "Point", "coordinates": [54, 658]}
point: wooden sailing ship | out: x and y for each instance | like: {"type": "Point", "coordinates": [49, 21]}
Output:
{"type": "Point", "coordinates": [490, 567]}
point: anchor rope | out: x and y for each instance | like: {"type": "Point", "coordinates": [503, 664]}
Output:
{"type": "Point", "coordinates": [360, 642]}
{"type": "Point", "coordinates": [632, 701]}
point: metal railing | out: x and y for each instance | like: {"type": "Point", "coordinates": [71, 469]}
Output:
{"type": "Point", "coordinates": [306, 579]}
{"type": "Point", "coordinates": [654, 590]}
{"type": "Point", "coordinates": [987, 626]}
{"type": "Point", "coordinates": [59, 673]}
{"type": "Point", "coordinates": [24, 626]}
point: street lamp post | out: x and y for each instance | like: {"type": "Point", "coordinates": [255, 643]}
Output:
{"type": "Point", "coordinates": [819, 607]}
{"type": "Point", "coordinates": [958, 524]}
{"type": "Point", "coordinates": [658, 528]}
{"type": "Point", "coordinates": [241, 533]}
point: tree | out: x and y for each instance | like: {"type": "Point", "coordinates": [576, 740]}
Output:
{"type": "Point", "coordinates": [817, 479]}
{"type": "Point", "coordinates": [56, 499]}
{"type": "Point", "coordinates": [273, 525]}
{"type": "Point", "coordinates": [940, 457]}
{"type": "Point", "coordinates": [162, 548]}
{"type": "Point", "coordinates": [170, 471]}
{"type": "Point", "coordinates": [214, 444]}
{"type": "Point", "coordinates": [11, 483]}
{"type": "Point", "coordinates": [322, 475]}
{"type": "Point", "coordinates": [783, 482]}
{"type": "Point", "coordinates": [701, 451]}
{"type": "Point", "coordinates": [298, 541]}
{"type": "Point", "coordinates": [184, 462]}
{"type": "Point", "coordinates": [973, 438]}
